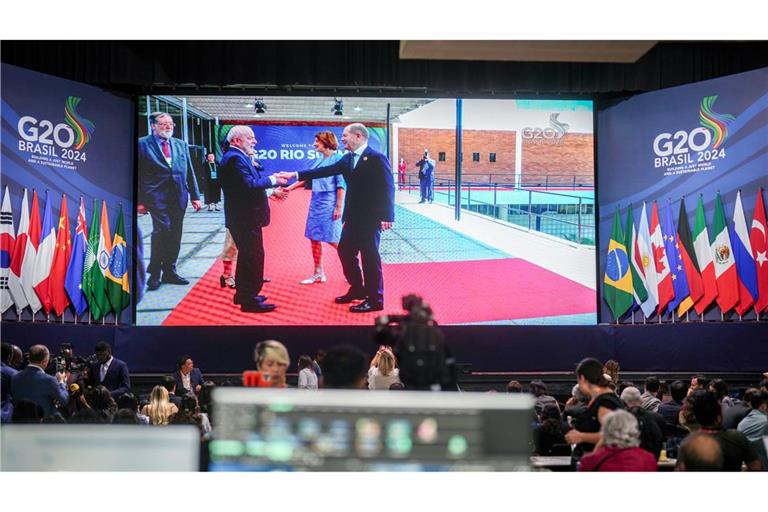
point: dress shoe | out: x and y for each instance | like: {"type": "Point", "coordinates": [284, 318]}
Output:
{"type": "Point", "coordinates": [315, 278]}
{"type": "Point", "coordinates": [349, 297]}
{"type": "Point", "coordinates": [258, 298]}
{"type": "Point", "coordinates": [226, 281]}
{"type": "Point", "coordinates": [217, 207]}
{"type": "Point", "coordinates": [173, 278]}
{"type": "Point", "coordinates": [266, 280]}
{"type": "Point", "coordinates": [257, 307]}
{"type": "Point", "coordinates": [153, 283]}
{"type": "Point", "coordinates": [367, 307]}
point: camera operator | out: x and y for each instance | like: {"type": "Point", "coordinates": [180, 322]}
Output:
{"type": "Point", "coordinates": [32, 383]}
{"type": "Point", "coordinates": [419, 346]}
{"type": "Point", "coordinates": [109, 371]}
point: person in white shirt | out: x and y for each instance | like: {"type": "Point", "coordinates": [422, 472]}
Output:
{"type": "Point", "coordinates": [307, 375]}
{"type": "Point", "coordinates": [383, 371]}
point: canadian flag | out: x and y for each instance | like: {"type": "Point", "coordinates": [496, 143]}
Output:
{"type": "Point", "coordinates": [663, 276]}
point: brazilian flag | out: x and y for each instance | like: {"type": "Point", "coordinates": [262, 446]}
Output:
{"type": "Point", "coordinates": [617, 283]}
{"type": "Point", "coordinates": [116, 274]}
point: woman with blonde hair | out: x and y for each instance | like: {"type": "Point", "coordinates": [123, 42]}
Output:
{"type": "Point", "coordinates": [272, 360]}
{"type": "Point", "coordinates": [159, 409]}
{"type": "Point", "coordinates": [383, 371]}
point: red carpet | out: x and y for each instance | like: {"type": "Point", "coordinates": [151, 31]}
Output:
{"type": "Point", "coordinates": [459, 292]}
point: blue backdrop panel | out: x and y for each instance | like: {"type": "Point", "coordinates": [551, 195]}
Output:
{"type": "Point", "coordinates": [67, 138]}
{"type": "Point", "coordinates": [694, 139]}
{"type": "Point", "coordinates": [707, 347]}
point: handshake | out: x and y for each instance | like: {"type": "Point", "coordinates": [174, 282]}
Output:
{"type": "Point", "coordinates": [282, 178]}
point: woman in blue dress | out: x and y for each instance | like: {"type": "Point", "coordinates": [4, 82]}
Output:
{"type": "Point", "coordinates": [325, 206]}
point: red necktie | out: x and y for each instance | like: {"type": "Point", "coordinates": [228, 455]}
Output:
{"type": "Point", "coordinates": [166, 149]}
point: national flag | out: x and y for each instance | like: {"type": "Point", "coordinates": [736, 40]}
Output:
{"type": "Point", "coordinates": [73, 282]}
{"type": "Point", "coordinates": [60, 260]}
{"type": "Point", "coordinates": [617, 283]}
{"type": "Point", "coordinates": [661, 262]}
{"type": "Point", "coordinates": [704, 259]}
{"type": "Point", "coordinates": [644, 254]}
{"type": "Point", "coordinates": [676, 268]}
{"type": "Point", "coordinates": [15, 285]}
{"type": "Point", "coordinates": [117, 273]}
{"type": "Point", "coordinates": [93, 279]}
{"type": "Point", "coordinates": [745, 262]}
{"type": "Point", "coordinates": [102, 259]}
{"type": "Point", "coordinates": [687, 256]}
{"type": "Point", "coordinates": [725, 265]}
{"type": "Point", "coordinates": [7, 241]}
{"type": "Point", "coordinates": [635, 264]}
{"type": "Point", "coordinates": [758, 237]}
{"type": "Point", "coordinates": [44, 259]}
{"type": "Point", "coordinates": [30, 256]}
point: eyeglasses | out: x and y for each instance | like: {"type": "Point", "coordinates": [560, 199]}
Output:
{"type": "Point", "coordinates": [170, 125]}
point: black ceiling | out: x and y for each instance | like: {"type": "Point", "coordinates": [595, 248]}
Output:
{"type": "Point", "coordinates": [293, 66]}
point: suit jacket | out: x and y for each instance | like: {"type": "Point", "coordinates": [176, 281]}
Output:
{"type": "Point", "coordinates": [117, 380]}
{"type": "Point", "coordinates": [5, 386]}
{"type": "Point", "coordinates": [244, 186]}
{"type": "Point", "coordinates": [34, 384]}
{"type": "Point", "coordinates": [426, 168]}
{"type": "Point", "coordinates": [370, 194]}
{"type": "Point", "coordinates": [195, 379]}
{"type": "Point", "coordinates": [162, 186]}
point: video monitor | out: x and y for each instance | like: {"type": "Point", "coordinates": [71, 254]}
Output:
{"type": "Point", "coordinates": [100, 448]}
{"type": "Point", "coordinates": [518, 249]}
{"type": "Point", "coordinates": [332, 430]}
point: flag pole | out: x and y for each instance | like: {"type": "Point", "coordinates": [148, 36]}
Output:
{"type": "Point", "coordinates": [633, 317]}
{"type": "Point", "coordinates": [89, 316]}
{"type": "Point", "coordinates": [673, 316]}
{"type": "Point", "coordinates": [687, 318]}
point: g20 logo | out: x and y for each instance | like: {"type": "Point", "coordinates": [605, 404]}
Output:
{"type": "Point", "coordinates": [40, 132]}
{"type": "Point", "coordinates": [666, 144]}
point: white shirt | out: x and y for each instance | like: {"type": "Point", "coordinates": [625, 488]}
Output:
{"type": "Point", "coordinates": [307, 379]}
{"type": "Point", "coordinates": [357, 154]}
{"type": "Point", "coordinates": [378, 381]}
{"type": "Point", "coordinates": [186, 381]}
{"type": "Point", "coordinates": [103, 369]}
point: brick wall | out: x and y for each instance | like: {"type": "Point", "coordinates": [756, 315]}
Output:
{"type": "Point", "coordinates": [573, 157]}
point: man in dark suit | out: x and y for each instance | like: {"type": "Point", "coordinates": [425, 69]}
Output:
{"type": "Point", "coordinates": [188, 378]}
{"type": "Point", "coordinates": [246, 212]}
{"type": "Point", "coordinates": [109, 371]}
{"type": "Point", "coordinates": [426, 177]}
{"type": "Point", "coordinates": [32, 383]}
{"type": "Point", "coordinates": [166, 183]}
{"type": "Point", "coordinates": [369, 210]}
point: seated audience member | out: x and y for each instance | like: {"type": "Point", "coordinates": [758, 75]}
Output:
{"type": "Point", "coordinates": [382, 372]}
{"type": "Point", "coordinates": [307, 375]}
{"type": "Point", "coordinates": [541, 397]}
{"type": "Point", "coordinates": [548, 434]}
{"type": "Point", "coordinates": [190, 409]}
{"type": "Point", "coordinates": [699, 452]}
{"type": "Point", "coordinates": [720, 388]}
{"type": "Point", "coordinates": [319, 355]}
{"type": "Point", "coordinates": [602, 401]}
{"type": "Point", "coordinates": [159, 409]}
{"type": "Point", "coordinates": [129, 401]}
{"type": "Point", "coordinates": [651, 424]}
{"type": "Point", "coordinates": [649, 399]}
{"type": "Point", "coordinates": [733, 415]}
{"type": "Point", "coordinates": [101, 401]}
{"type": "Point", "coordinates": [624, 385]}
{"type": "Point", "coordinates": [32, 383]}
{"type": "Point", "coordinates": [735, 446]}
{"type": "Point", "coordinates": [87, 417]}
{"type": "Point", "coordinates": [611, 368]}
{"type": "Point", "coordinates": [698, 381]}
{"type": "Point", "coordinates": [514, 386]}
{"type": "Point", "coordinates": [126, 417]}
{"type": "Point", "coordinates": [755, 424]}
{"type": "Point", "coordinates": [109, 371]}
{"type": "Point", "coordinates": [272, 361]}
{"type": "Point", "coordinates": [670, 409]}
{"type": "Point", "coordinates": [620, 449]}
{"type": "Point", "coordinates": [204, 400]}
{"type": "Point", "coordinates": [169, 383]}
{"type": "Point", "coordinates": [763, 383]}
{"type": "Point", "coordinates": [344, 367]}
{"type": "Point", "coordinates": [27, 411]}
{"type": "Point", "coordinates": [8, 371]}
{"type": "Point", "coordinates": [16, 358]}
{"type": "Point", "coordinates": [188, 378]}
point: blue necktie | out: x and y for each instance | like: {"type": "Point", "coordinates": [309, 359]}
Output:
{"type": "Point", "coordinates": [355, 157]}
